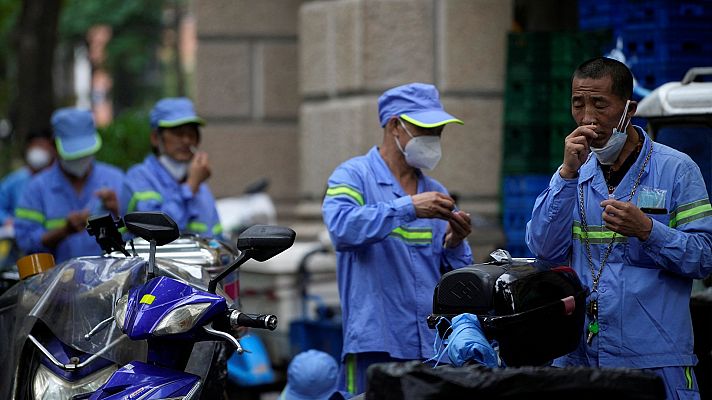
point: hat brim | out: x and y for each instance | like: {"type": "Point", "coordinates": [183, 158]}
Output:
{"type": "Point", "coordinates": [430, 119]}
{"type": "Point", "coordinates": [290, 394]}
{"type": "Point", "coordinates": [178, 122]}
{"type": "Point", "coordinates": [78, 147]}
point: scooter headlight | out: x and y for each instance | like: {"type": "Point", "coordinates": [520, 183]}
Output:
{"type": "Point", "coordinates": [120, 311]}
{"type": "Point", "coordinates": [180, 320]}
{"type": "Point", "coordinates": [46, 385]}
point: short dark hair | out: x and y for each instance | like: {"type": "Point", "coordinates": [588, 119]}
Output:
{"type": "Point", "coordinates": [600, 67]}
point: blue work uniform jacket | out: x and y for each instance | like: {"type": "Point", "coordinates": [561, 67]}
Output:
{"type": "Point", "coordinates": [11, 189]}
{"type": "Point", "coordinates": [388, 260]}
{"type": "Point", "coordinates": [150, 187]}
{"type": "Point", "coordinates": [47, 200]}
{"type": "Point", "coordinates": [644, 290]}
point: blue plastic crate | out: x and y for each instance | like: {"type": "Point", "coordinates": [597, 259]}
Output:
{"type": "Point", "coordinates": [598, 14]}
{"type": "Point", "coordinates": [696, 142]}
{"type": "Point", "coordinates": [518, 248]}
{"type": "Point", "coordinates": [525, 184]}
{"type": "Point", "coordinates": [517, 212]}
{"type": "Point", "coordinates": [666, 14]}
{"type": "Point", "coordinates": [650, 74]}
{"type": "Point", "coordinates": [667, 45]}
{"type": "Point", "coordinates": [324, 335]}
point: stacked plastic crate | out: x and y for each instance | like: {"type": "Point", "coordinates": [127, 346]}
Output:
{"type": "Point", "coordinates": [660, 39]}
{"type": "Point", "coordinates": [537, 118]}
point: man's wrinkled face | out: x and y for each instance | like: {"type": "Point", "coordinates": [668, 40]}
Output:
{"type": "Point", "coordinates": [594, 103]}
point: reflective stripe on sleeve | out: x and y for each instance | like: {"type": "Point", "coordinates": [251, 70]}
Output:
{"type": "Point", "coordinates": [690, 212]}
{"type": "Point", "coordinates": [142, 196]}
{"type": "Point", "coordinates": [345, 190]}
{"type": "Point", "coordinates": [30, 215]}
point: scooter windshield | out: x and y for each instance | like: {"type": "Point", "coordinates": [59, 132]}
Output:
{"type": "Point", "coordinates": [73, 298]}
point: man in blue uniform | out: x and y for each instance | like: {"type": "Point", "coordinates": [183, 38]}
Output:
{"type": "Point", "coordinates": [39, 154]}
{"type": "Point", "coordinates": [634, 219]}
{"type": "Point", "coordinates": [395, 231]}
{"type": "Point", "coordinates": [173, 180]}
{"type": "Point", "coordinates": [52, 213]}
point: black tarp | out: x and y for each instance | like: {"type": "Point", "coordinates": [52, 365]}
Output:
{"type": "Point", "coordinates": [416, 381]}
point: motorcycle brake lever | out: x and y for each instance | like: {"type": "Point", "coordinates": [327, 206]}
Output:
{"type": "Point", "coordinates": [101, 325]}
{"type": "Point", "coordinates": [226, 336]}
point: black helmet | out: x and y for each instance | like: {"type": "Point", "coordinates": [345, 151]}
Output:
{"type": "Point", "coordinates": [534, 310]}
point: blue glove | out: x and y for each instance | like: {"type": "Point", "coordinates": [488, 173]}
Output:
{"type": "Point", "coordinates": [467, 342]}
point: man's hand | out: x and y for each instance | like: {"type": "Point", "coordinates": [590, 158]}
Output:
{"type": "Point", "coordinates": [576, 148]}
{"type": "Point", "coordinates": [109, 200]}
{"type": "Point", "coordinates": [626, 219]}
{"type": "Point", "coordinates": [76, 221]}
{"type": "Point", "coordinates": [198, 171]}
{"type": "Point", "coordinates": [433, 205]}
{"type": "Point", "coordinates": [458, 229]}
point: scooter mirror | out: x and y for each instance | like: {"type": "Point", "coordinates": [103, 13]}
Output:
{"type": "Point", "coordinates": [263, 242]}
{"type": "Point", "coordinates": [258, 242]}
{"type": "Point", "coordinates": [152, 226]}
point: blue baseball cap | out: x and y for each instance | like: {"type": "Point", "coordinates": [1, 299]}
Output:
{"type": "Point", "coordinates": [417, 103]}
{"type": "Point", "coordinates": [75, 133]}
{"type": "Point", "coordinates": [312, 375]}
{"type": "Point", "coordinates": [174, 111]}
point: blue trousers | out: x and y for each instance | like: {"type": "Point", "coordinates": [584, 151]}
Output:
{"type": "Point", "coordinates": [352, 376]}
{"type": "Point", "coordinates": [680, 382]}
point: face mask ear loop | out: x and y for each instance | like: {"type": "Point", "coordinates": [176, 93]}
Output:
{"type": "Point", "coordinates": [406, 129]}
{"type": "Point", "coordinates": [620, 126]}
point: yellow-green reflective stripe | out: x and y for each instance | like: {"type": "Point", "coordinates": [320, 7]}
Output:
{"type": "Point", "coordinates": [598, 237]}
{"type": "Point", "coordinates": [690, 215]}
{"type": "Point", "coordinates": [688, 377]}
{"type": "Point", "coordinates": [55, 223]}
{"type": "Point", "coordinates": [197, 227]}
{"type": "Point", "coordinates": [351, 373]}
{"type": "Point", "coordinates": [31, 215]}
{"type": "Point", "coordinates": [689, 206]}
{"type": "Point", "coordinates": [347, 191]}
{"type": "Point", "coordinates": [217, 229]}
{"type": "Point", "coordinates": [123, 230]}
{"type": "Point", "coordinates": [593, 234]}
{"type": "Point", "coordinates": [417, 235]}
{"type": "Point", "coordinates": [592, 228]}
{"type": "Point", "coordinates": [142, 196]}
{"type": "Point", "coordinates": [426, 125]}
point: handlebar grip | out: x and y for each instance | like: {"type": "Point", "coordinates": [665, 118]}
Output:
{"type": "Point", "coordinates": [259, 321]}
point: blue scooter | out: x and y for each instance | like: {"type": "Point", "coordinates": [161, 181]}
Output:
{"type": "Point", "coordinates": [173, 316]}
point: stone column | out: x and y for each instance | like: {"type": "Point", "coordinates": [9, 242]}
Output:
{"type": "Point", "coordinates": [247, 90]}
{"type": "Point", "coordinates": [350, 51]}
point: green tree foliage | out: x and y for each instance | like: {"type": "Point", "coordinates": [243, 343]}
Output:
{"type": "Point", "coordinates": [9, 10]}
{"type": "Point", "coordinates": [126, 141]}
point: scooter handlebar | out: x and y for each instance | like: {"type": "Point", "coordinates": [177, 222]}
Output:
{"type": "Point", "coordinates": [259, 321]}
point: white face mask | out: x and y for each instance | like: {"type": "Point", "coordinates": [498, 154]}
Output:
{"type": "Point", "coordinates": [78, 167]}
{"type": "Point", "coordinates": [177, 169]}
{"type": "Point", "coordinates": [422, 151]}
{"type": "Point", "coordinates": [38, 158]}
{"type": "Point", "coordinates": [608, 154]}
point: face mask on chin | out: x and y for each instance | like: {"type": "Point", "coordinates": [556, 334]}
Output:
{"type": "Point", "coordinates": [177, 169]}
{"type": "Point", "coordinates": [608, 154]}
{"type": "Point", "coordinates": [79, 167]}
{"type": "Point", "coordinates": [421, 151]}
